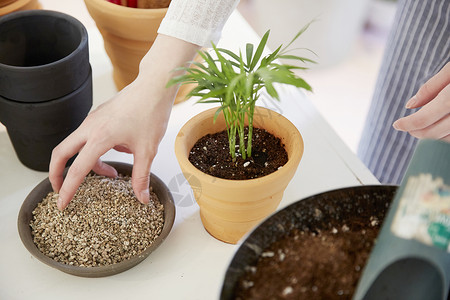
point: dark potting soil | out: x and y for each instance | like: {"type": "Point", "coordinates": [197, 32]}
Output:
{"type": "Point", "coordinates": [211, 155]}
{"type": "Point", "coordinates": [311, 265]}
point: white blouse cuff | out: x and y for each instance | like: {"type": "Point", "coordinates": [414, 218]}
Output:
{"type": "Point", "coordinates": [197, 21]}
{"type": "Point", "coordinates": [192, 34]}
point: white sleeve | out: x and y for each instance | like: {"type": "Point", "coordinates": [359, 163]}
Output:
{"type": "Point", "coordinates": [197, 21]}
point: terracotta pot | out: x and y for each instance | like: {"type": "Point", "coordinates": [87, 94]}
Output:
{"type": "Point", "coordinates": [128, 34]}
{"type": "Point", "coordinates": [153, 3]}
{"type": "Point", "coordinates": [8, 6]}
{"type": "Point", "coordinates": [231, 208]}
{"type": "Point", "coordinates": [44, 55]}
{"type": "Point", "coordinates": [6, 2]}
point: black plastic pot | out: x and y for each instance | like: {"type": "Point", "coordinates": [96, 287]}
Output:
{"type": "Point", "coordinates": [36, 128]}
{"type": "Point", "coordinates": [43, 55]}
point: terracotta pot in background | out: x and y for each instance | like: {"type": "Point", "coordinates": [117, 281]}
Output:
{"type": "Point", "coordinates": [231, 208]}
{"type": "Point", "coordinates": [8, 6]}
{"type": "Point", "coordinates": [153, 3]}
{"type": "Point", "coordinates": [128, 34]}
{"type": "Point", "coordinates": [6, 2]}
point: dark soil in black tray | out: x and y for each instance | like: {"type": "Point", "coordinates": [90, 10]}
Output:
{"type": "Point", "coordinates": [313, 249]}
{"type": "Point", "coordinates": [332, 262]}
{"type": "Point", "coordinates": [211, 155]}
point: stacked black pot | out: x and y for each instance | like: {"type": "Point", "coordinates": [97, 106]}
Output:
{"type": "Point", "coordinates": [45, 81]}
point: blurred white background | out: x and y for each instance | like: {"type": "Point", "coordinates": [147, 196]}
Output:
{"type": "Point", "coordinates": [348, 37]}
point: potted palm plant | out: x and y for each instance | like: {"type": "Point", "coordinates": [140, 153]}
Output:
{"type": "Point", "coordinates": [231, 205]}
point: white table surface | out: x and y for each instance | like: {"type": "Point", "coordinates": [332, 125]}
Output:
{"type": "Point", "coordinates": [190, 264]}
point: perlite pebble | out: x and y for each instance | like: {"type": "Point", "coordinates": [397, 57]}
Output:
{"type": "Point", "coordinates": [103, 224]}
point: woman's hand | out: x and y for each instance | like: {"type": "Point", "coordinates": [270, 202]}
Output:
{"type": "Point", "coordinates": [133, 121]}
{"type": "Point", "coordinates": [432, 121]}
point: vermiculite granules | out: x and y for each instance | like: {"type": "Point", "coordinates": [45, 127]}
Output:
{"type": "Point", "coordinates": [103, 224]}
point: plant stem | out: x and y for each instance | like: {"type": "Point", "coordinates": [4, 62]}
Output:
{"type": "Point", "coordinates": [232, 140]}
{"type": "Point", "coordinates": [250, 129]}
{"type": "Point", "coordinates": [231, 131]}
{"type": "Point", "coordinates": [242, 135]}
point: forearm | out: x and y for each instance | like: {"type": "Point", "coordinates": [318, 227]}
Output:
{"type": "Point", "coordinates": [166, 54]}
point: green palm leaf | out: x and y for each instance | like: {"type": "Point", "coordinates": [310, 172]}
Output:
{"type": "Point", "coordinates": [235, 81]}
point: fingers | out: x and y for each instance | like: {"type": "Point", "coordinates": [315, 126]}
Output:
{"type": "Point", "coordinates": [140, 178]}
{"type": "Point", "coordinates": [431, 88]}
{"type": "Point", "coordinates": [433, 119]}
{"type": "Point", "coordinates": [101, 168]}
{"type": "Point", "coordinates": [439, 130]}
{"type": "Point", "coordinates": [60, 155]}
{"type": "Point", "coordinates": [122, 148]}
{"type": "Point", "coordinates": [429, 116]}
{"type": "Point", "coordinates": [86, 160]}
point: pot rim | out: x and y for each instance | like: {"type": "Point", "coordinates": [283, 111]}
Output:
{"type": "Point", "coordinates": [43, 104]}
{"type": "Point", "coordinates": [114, 9]}
{"type": "Point", "coordinates": [49, 13]}
{"type": "Point", "coordinates": [292, 162]}
{"type": "Point", "coordinates": [9, 109]}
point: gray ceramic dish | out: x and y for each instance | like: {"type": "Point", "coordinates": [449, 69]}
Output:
{"type": "Point", "coordinates": [43, 188]}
